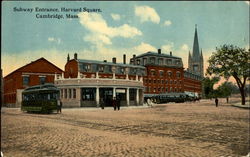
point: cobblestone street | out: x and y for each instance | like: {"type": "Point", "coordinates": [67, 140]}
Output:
{"type": "Point", "coordinates": [173, 130]}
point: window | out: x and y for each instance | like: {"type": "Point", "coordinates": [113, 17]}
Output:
{"type": "Point", "coordinates": [153, 72]}
{"type": "Point", "coordinates": [152, 60]}
{"type": "Point", "coordinates": [70, 94]}
{"type": "Point", "coordinates": [149, 81]}
{"type": "Point", "coordinates": [170, 74]}
{"type": "Point", "coordinates": [74, 93]}
{"type": "Point", "coordinates": [178, 74]}
{"type": "Point", "coordinates": [132, 94]}
{"type": "Point", "coordinates": [26, 80]}
{"type": "Point", "coordinates": [61, 93]}
{"type": "Point", "coordinates": [138, 62]}
{"type": "Point", "coordinates": [86, 67]}
{"type": "Point", "coordinates": [144, 61]}
{"type": "Point", "coordinates": [166, 89]}
{"type": "Point", "coordinates": [161, 73]}
{"type": "Point", "coordinates": [162, 81]}
{"type": "Point", "coordinates": [65, 93]}
{"type": "Point", "coordinates": [169, 61]}
{"type": "Point", "coordinates": [88, 94]}
{"type": "Point", "coordinates": [159, 81]}
{"type": "Point", "coordinates": [101, 68]}
{"type": "Point", "coordinates": [177, 62]}
{"type": "Point", "coordinates": [154, 81]}
{"type": "Point", "coordinates": [160, 61]}
{"type": "Point", "coordinates": [170, 82]}
{"type": "Point", "coordinates": [122, 71]}
{"type": "Point", "coordinates": [42, 79]}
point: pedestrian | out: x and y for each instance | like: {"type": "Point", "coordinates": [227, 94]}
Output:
{"type": "Point", "coordinates": [114, 103]}
{"type": "Point", "coordinates": [102, 103]}
{"type": "Point", "coordinates": [216, 102]}
{"type": "Point", "coordinates": [58, 106]}
{"type": "Point", "coordinates": [118, 102]}
{"type": "Point", "coordinates": [227, 100]}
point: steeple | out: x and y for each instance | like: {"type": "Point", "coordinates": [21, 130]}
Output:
{"type": "Point", "coordinates": [196, 54]}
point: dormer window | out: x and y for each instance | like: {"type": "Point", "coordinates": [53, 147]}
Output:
{"type": "Point", "coordinates": [101, 68]}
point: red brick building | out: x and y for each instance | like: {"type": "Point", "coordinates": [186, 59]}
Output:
{"type": "Point", "coordinates": [37, 72]}
{"type": "Point", "coordinates": [165, 75]}
{"type": "Point", "coordinates": [164, 72]}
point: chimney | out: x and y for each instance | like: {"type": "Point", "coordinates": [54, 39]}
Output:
{"type": "Point", "coordinates": [105, 61]}
{"type": "Point", "coordinates": [124, 59]}
{"type": "Point", "coordinates": [75, 56]}
{"type": "Point", "coordinates": [68, 58]}
{"type": "Point", "coordinates": [134, 59]}
{"type": "Point", "coordinates": [159, 51]}
{"type": "Point", "coordinates": [170, 53]}
{"type": "Point", "coordinates": [114, 60]}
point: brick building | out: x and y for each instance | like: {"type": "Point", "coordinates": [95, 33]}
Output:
{"type": "Point", "coordinates": [164, 72]}
{"type": "Point", "coordinates": [89, 83]}
{"type": "Point", "coordinates": [37, 72]}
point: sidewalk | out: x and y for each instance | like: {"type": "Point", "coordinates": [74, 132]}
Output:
{"type": "Point", "coordinates": [246, 106]}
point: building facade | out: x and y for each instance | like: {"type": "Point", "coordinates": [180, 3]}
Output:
{"type": "Point", "coordinates": [37, 72]}
{"type": "Point", "coordinates": [164, 72]}
{"type": "Point", "coordinates": [195, 60]}
{"type": "Point", "coordinates": [192, 84]}
{"type": "Point", "coordinates": [91, 83]}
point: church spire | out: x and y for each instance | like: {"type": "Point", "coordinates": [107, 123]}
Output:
{"type": "Point", "coordinates": [196, 53]}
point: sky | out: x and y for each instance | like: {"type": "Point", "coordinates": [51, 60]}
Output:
{"type": "Point", "coordinates": [120, 27]}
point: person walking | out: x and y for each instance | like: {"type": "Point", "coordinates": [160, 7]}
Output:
{"type": "Point", "coordinates": [114, 103]}
{"type": "Point", "coordinates": [216, 102]}
{"type": "Point", "coordinates": [58, 106]}
{"type": "Point", "coordinates": [102, 103]}
{"type": "Point", "coordinates": [118, 102]}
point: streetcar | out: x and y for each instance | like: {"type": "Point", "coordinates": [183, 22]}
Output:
{"type": "Point", "coordinates": [40, 98]}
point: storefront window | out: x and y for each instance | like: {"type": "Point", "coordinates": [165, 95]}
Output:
{"type": "Point", "coordinates": [88, 94]}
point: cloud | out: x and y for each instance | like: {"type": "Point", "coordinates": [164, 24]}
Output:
{"type": "Point", "coordinates": [146, 13]}
{"type": "Point", "coordinates": [144, 47]}
{"type": "Point", "coordinates": [116, 17]}
{"type": "Point", "coordinates": [247, 2]}
{"type": "Point", "coordinates": [184, 47]}
{"type": "Point", "coordinates": [168, 47]}
{"type": "Point", "coordinates": [56, 40]}
{"type": "Point", "coordinates": [99, 28]}
{"type": "Point", "coordinates": [167, 23]}
{"type": "Point", "coordinates": [97, 39]}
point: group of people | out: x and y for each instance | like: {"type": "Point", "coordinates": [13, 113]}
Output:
{"type": "Point", "coordinates": [116, 103]}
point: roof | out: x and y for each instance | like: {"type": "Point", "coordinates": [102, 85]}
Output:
{"type": "Point", "coordinates": [150, 53]}
{"type": "Point", "coordinates": [44, 87]}
{"type": "Point", "coordinates": [109, 63]}
{"type": "Point", "coordinates": [19, 69]}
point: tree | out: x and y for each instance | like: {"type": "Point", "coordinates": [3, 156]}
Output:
{"type": "Point", "coordinates": [230, 60]}
{"type": "Point", "coordinates": [207, 84]}
{"type": "Point", "coordinates": [225, 89]}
